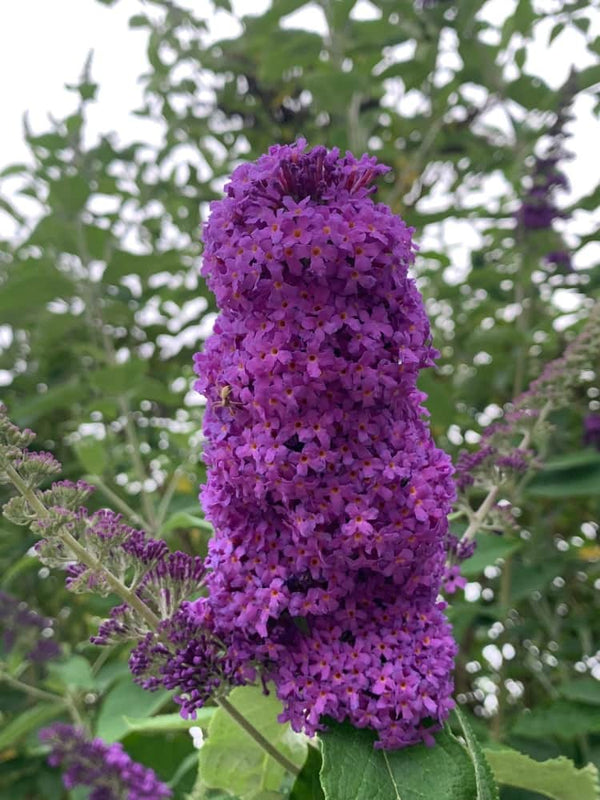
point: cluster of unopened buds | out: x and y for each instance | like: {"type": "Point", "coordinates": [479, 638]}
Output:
{"type": "Point", "coordinates": [100, 553]}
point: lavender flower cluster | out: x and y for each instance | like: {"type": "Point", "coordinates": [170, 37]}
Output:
{"type": "Point", "coordinates": [105, 769]}
{"type": "Point", "coordinates": [26, 630]}
{"type": "Point", "coordinates": [591, 431]}
{"type": "Point", "coordinates": [506, 448]}
{"type": "Point", "coordinates": [539, 209]}
{"type": "Point", "coordinates": [174, 644]}
{"type": "Point", "coordinates": [328, 496]}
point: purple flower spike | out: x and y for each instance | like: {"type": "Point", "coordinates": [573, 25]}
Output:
{"type": "Point", "coordinates": [22, 627]}
{"type": "Point", "coordinates": [591, 431]}
{"type": "Point", "coordinates": [324, 484]}
{"type": "Point", "coordinates": [105, 769]}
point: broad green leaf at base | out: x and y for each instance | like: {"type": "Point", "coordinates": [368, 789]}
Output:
{"type": "Point", "coordinates": [307, 785]}
{"type": "Point", "coordinates": [354, 770]}
{"type": "Point", "coordinates": [557, 778]}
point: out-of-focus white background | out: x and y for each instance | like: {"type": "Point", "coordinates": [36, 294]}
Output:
{"type": "Point", "coordinates": [43, 45]}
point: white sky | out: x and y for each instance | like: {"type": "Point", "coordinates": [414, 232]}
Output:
{"type": "Point", "coordinates": [43, 44]}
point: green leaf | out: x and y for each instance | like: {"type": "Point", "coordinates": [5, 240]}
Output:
{"type": "Point", "coordinates": [92, 455]}
{"type": "Point", "coordinates": [557, 29]}
{"type": "Point", "coordinates": [484, 780]}
{"type": "Point", "coordinates": [439, 398]}
{"type": "Point", "coordinates": [60, 396]}
{"type": "Point", "coordinates": [110, 673]}
{"type": "Point", "coordinates": [28, 721]}
{"type": "Point", "coordinates": [353, 769]}
{"type": "Point", "coordinates": [584, 690]}
{"type": "Point", "coordinates": [139, 21]}
{"type": "Point", "coordinates": [563, 719]}
{"type": "Point", "coordinates": [489, 549]}
{"type": "Point", "coordinates": [10, 210]}
{"type": "Point", "coordinates": [126, 699]}
{"type": "Point", "coordinates": [120, 378]}
{"type": "Point", "coordinates": [124, 263]}
{"type": "Point", "coordinates": [13, 169]}
{"type": "Point", "coordinates": [165, 753]}
{"type": "Point", "coordinates": [75, 672]}
{"type": "Point", "coordinates": [169, 722]}
{"type": "Point", "coordinates": [69, 194]}
{"type": "Point", "coordinates": [530, 577]}
{"type": "Point", "coordinates": [185, 520]}
{"type": "Point", "coordinates": [557, 778]}
{"type": "Point", "coordinates": [230, 759]}
{"type": "Point", "coordinates": [307, 785]}
{"type": "Point", "coordinates": [30, 286]}
{"type": "Point", "coordinates": [588, 77]}
{"type": "Point", "coordinates": [582, 458]}
{"type": "Point", "coordinates": [575, 481]}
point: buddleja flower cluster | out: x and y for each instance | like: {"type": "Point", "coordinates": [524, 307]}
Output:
{"type": "Point", "coordinates": [24, 631]}
{"type": "Point", "coordinates": [506, 449]}
{"type": "Point", "coordinates": [100, 553]}
{"type": "Point", "coordinates": [106, 770]}
{"type": "Point", "coordinates": [591, 431]}
{"type": "Point", "coordinates": [539, 209]}
{"type": "Point", "coordinates": [328, 496]}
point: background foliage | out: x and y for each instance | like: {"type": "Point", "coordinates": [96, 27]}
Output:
{"type": "Point", "coordinates": [102, 307]}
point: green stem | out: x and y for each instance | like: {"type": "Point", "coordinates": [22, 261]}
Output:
{"type": "Point", "coordinates": [497, 727]}
{"type": "Point", "coordinates": [94, 318]}
{"type": "Point", "coordinates": [81, 553]}
{"type": "Point", "coordinates": [105, 654]}
{"type": "Point", "coordinates": [118, 501]}
{"type": "Point", "coordinates": [166, 500]}
{"type": "Point", "coordinates": [136, 603]}
{"type": "Point", "coordinates": [257, 736]}
{"type": "Point", "coordinates": [138, 464]}
{"type": "Point", "coordinates": [479, 517]}
{"type": "Point", "coordinates": [74, 712]}
{"type": "Point", "coordinates": [33, 691]}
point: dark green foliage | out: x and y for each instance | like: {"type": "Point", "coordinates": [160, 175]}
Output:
{"type": "Point", "coordinates": [101, 353]}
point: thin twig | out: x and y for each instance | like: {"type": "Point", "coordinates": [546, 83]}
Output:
{"type": "Point", "coordinates": [33, 691]}
{"type": "Point", "coordinates": [118, 501]}
{"type": "Point", "coordinates": [81, 553]}
{"type": "Point", "coordinates": [167, 497]}
{"type": "Point", "coordinates": [257, 736]}
{"type": "Point", "coordinates": [136, 603]}
{"type": "Point", "coordinates": [134, 446]}
{"type": "Point", "coordinates": [486, 506]}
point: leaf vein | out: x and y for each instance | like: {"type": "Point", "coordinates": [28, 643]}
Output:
{"type": "Point", "coordinates": [394, 784]}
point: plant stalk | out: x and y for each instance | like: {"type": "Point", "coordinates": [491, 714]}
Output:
{"type": "Point", "coordinates": [82, 554]}
{"type": "Point", "coordinates": [118, 501]}
{"type": "Point", "coordinates": [257, 736]}
{"type": "Point", "coordinates": [143, 610]}
{"type": "Point", "coordinates": [33, 691]}
{"type": "Point", "coordinates": [486, 506]}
